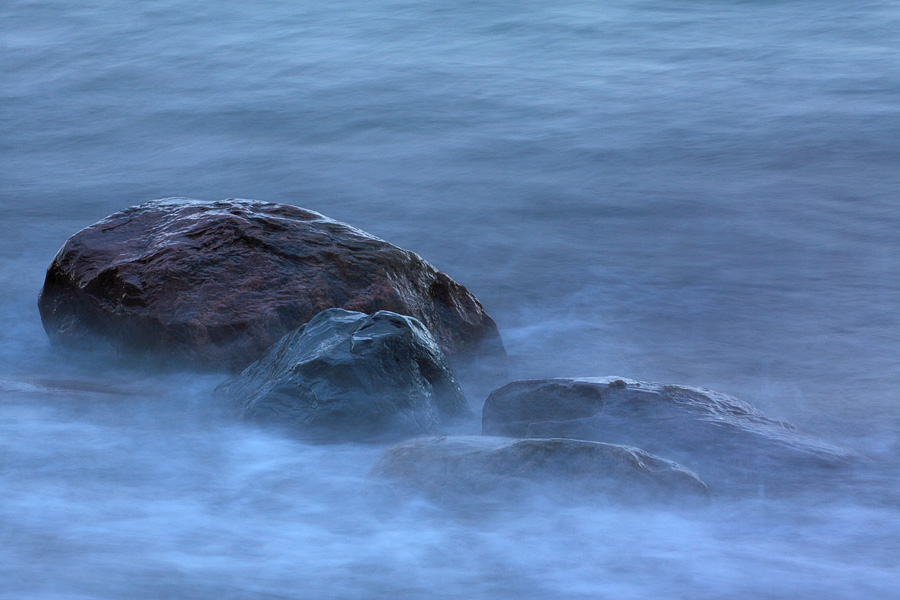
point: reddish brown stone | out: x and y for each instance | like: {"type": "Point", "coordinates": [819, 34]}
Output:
{"type": "Point", "coordinates": [213, 284]}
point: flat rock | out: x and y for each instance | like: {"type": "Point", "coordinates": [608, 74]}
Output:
{"type": "Point", "coordinates": [213, 284]}
{"type": "Point", "coordinates": [348, 376]}
{"type": "Point", "coordinates": [500, 469]}
{"type": "Point", "coordinates": [727, 441]}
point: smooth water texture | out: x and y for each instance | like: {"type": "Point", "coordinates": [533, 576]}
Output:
{"type": "Point", "coordinates": [703, 193]}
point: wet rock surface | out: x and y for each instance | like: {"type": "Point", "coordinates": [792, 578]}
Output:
{"type": "Point", "coordinates": [213, 284]}
{"type": "Point", "coordinates": [725, 440]}
{"type": "Point", "coordinates": [473, 468]}
{"type": "Point", "coordinates": [348, 376]}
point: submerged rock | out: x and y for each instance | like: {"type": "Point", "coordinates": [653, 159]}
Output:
{"type": "Point", "coordinates": [726, 440]}
{"type": "Point", "coordinates": [213, 284]}
{"type": "Point", "coordinates": [495, 468]}
{"type": "Point", "coordinates": [351, 376]}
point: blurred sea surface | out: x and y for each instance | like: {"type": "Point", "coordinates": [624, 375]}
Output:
{"type": "Point", "coordinates": [697, 192]}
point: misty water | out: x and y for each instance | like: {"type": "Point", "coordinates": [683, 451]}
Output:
{"type": "Point", "coordinates": [696, 192]}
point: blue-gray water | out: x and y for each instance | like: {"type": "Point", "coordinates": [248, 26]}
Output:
{"type": "Point", "coordinates": [702, 192]}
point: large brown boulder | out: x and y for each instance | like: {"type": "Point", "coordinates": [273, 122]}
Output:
{"type": "Point", "coordinates": [213, 284]}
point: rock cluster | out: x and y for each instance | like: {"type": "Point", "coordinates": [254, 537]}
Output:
{"type": "Point", "coordinates": [349, 339]}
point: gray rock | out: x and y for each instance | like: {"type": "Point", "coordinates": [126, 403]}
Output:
{"type": "Point", "coordinates": [471, 468]}
{"type": "Point", "coordinates": [350, 376]}
{"type": "Point", "coordinates": [727, 441]}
